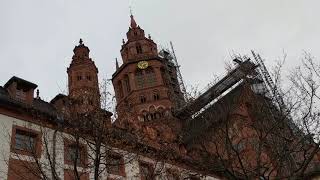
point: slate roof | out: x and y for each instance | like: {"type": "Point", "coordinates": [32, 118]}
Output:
{"type": "Point", "coordinates": [57, 97]}
{"type": "Point", "coordinates": [3, 91]}
{"type": "Point", "coordinates": [38, 105]}
{"type": "Point", "coordinates": [44, 107]}
{"type": "Point", "coordinates": [21, 81]}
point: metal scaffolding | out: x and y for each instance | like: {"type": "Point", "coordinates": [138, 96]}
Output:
{"type": "Point", "coordinates": [266, 77]}
{"type": "Point", "coordinates": [235, 76]}
{"type": "Point", "coordinates": [180, 79]}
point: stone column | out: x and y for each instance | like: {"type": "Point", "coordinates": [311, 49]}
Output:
{"type": "Point", "coordinates": [132, 81]}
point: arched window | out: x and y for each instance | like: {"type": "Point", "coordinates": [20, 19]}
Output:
{"type": "Point", "coordinates": [139, 79]}
{"type": "Point", "coordinates": [79, 77]}
{"type": "Point", "coordinates": [88, 77]}
{"type": "Point", "coordinates": [161, 111]}
{"type": "Point", "coordinates": [157, 115]}
{"type": "Point", "coordinates": [156, 95]}
{"type": "Point", "coordinates": [139, 49]}
{"type": "Point", "coordinates": [120, 89]}
{"type": "Point", "coordinates": [150, 77]}
{"type": "Point", "coordinates": [145, 78]}
{"type": "Point", "coordinates": [127, 83]}
{"type": "Point", "coordinates": [152, 116]}
{"type": "Point", "coordinates": [144, 115]}
{"type": "Point", "coordinates": [143, 99]}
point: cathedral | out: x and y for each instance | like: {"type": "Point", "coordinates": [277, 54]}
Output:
{"type": "Point", "coordinates": [157, 134]}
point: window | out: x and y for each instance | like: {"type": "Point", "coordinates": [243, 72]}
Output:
{"type": "Point", "coordinates": [79, 77]}
{"type": "Point", "coordinates": [147, 117]}
{"type": "Point", "coordinates": [145, 78]}
{"type": "Point", "coordinates": [157, 115]}
{"type": "Point", "coordinates": [120, 89]}
{"type": "Point", "coordinates": [152, 116]}
{"type": "Point", "coordinates": [139, 49]}
{"type": "Point", "coordinates": [20, 94]}
{"type": "Point", "coordinates": [143, 99]}
{"type": "Point", "coordinates": [25, 141]}
{"type": "Point", "coordinates": [127, 83]}
{"type": "Point", "coordinates": [89, 77]}
{"type": "Point", "coordinates": [115, 164]}
{"type": "Point", "coordinates": [146, 171]}
{"type": "Point", "coordinates": [156, 95]}
{"type": "Point", "coordinates": [151, 77]}
{"type": "Point", "coordinates": [74, 153]}
{"type": "Point", "coordinates": [139, 79]}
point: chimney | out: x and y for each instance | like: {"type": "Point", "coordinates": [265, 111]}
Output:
{"type": "Point", "coordinates": [21, 89]}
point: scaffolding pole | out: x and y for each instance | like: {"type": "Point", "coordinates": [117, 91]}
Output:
{"type": "Point", "coordinates": [180, 79]}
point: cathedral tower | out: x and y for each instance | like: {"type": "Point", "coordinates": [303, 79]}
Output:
{"type": "Point", "coordinates": [83, 79]}
{"type": "Point", "coordinates": [142, 91]}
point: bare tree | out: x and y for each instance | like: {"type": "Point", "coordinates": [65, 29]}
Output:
{"type": "Point", "coordinates": [85, 133]}
{"type": "Point", "coordinates": [250, 133]}
{"type": "Point", "coordinates": [263, 135]}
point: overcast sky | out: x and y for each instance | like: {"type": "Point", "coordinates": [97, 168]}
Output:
{"type": "Point", "coordinates": [37, 36]}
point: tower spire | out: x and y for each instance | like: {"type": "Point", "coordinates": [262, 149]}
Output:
{"type": "Point", "coordinates": [133, 23]}
{"type": "Point", "coordinates": [117, 64]}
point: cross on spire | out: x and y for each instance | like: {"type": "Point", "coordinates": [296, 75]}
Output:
{"type": "Point", "coordinates": [80, 41]}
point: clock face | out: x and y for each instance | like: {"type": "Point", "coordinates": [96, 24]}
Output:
{"type": "Point", "coordinates": [143, 64]}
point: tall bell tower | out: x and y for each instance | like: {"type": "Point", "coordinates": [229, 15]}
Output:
{"type": "Point", "coordinates": [83, 79]}
{"type": "Point", "coordinates": [140, 83]}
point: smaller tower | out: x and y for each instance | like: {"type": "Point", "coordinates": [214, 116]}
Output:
{"type": "Point", "coordinates": [83, 79]}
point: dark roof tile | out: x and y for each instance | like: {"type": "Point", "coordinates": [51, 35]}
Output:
{"type": "Point", "coordinates": [22, 82]}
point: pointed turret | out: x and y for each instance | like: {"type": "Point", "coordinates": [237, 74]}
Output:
{"type": "Point", "coordinates": [137, 45]}
{"type": "Point", "coordinates": [117, 64]}
{"type": "Point", "coordinates": [133, 23]}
